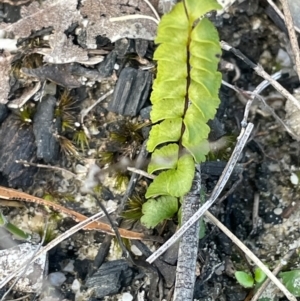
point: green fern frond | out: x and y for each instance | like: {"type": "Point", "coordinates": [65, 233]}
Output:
{"type": "Point", "coordinates": [184, 96]}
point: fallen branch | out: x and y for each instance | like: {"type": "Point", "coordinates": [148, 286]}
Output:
{"type": "Point", "coordinates": [188, 247]}
{"type": "Point", "coordinates": [15, 195]}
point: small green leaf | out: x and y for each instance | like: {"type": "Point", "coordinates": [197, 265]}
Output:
{"type": "Point", "coordinates": [167, 131]}
{"type": "Point", "coordinates": [164, 158]}
{"type": "Point", "coordinates": [259, 275]}
{"type": "Point", "coordinates": [291, 280]}
{"type": "Point", "coordinates": [175, 182]}
{"type": "Point", "coordinates": [173, 27]}
{"type": "Point", "coordinates": [167, 108]}
{"type": "Point", "coordinates": [244, 279]}
{"type": "Point", "coordinates": [155, 211]}
{"type": "Point", "coordinates": [195, 10]}
{"type": "Point", "coordinates": [195, 135]}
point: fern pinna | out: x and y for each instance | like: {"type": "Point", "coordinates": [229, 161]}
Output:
{"type": "Point", "coordinates": [184, 97]}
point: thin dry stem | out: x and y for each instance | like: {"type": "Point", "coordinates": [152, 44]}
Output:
{"type": "Point", "coordinates": [131, 17]}
{"type": "Point", "coordinates": [279, 13]}
{"type": "Point", "coordinates": [84, 112]}
{"type": "Point", "coordinates": [153, 9]}
{"type": "Point", "coordinates": [261, 72]}
{"type": "Point", "coordinates": [141, 172]}
{"type": "Point", "coordinates": [26, 164]}
{"type": "Point", "coordinates": [16, 2]}
{"type": "Point", "coordinates": [258, 90]}
{"type": "Point", "coordinates": [292, 34]}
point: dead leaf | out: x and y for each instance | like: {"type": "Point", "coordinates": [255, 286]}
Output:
{"type": "Point", "coordinates": [99, 12]}
{"type": "Point", "coordinates": [56, 14]}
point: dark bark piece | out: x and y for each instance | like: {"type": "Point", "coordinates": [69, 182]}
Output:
{"type": "Point", "coordinates": [262, 177]}
{"type": "Point", "coordinates": [110, 278]}
{"type": "Point", "coordinates": [145, 112]}
{"type": "Point", "coordinates": [141, 47]}
{"type": "Point", "coordinates": [45, 128]}
{"type": "Point", "coordinates": [124, 46]}
{"type": "Point", "coordinates": [216, 129]}
{"type": "Point", "coordinates": [11, 13]}
{"type": "Point", "coordinates": [215, 169]}
{"type": "Point", "coordinates": [171, 255]}
{"type": "Point", "coordinates": [131, 92]}
{"type": "Point", "coordinates": [106, 67]}
{"type": "Point", "coordinates": [66, 75]}
{"type": "Point", "coordinates": [17, 143]}
{"type": "Point", "coordinates": [3, 112]}
{"type": "Point", "coordinates": [59, 74]}
{"type": "Point", "coordinates": [166, 270]}
{"type": "Point", "coordinates": [101, 255]}
{"type": "Point", "coordinates": [78, 70]}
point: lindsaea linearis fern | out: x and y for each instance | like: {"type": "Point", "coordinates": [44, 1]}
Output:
{"type": "Point", "coordinates": [184, 97]}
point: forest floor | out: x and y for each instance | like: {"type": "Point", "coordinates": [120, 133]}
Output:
{"type": "Point", "coordinates": [262, 210]}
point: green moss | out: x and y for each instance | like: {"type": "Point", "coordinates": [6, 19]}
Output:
{"type": "Point", "coordinates": [81, 140]}
{"type": "Point", "coordinates": [133, 208]}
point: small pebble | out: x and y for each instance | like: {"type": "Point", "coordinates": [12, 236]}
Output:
{"type": "Point", "coordinates": [283, 262]}
{"type": "Point", "coordinates": [283, 58]}
{"type": "Point", "coordinates": [75, 286]}
{"type": "Point", "coordinates": [69, 267]}
{"type": "Point", "coordinates": [277, 211]}
{"type": "Point", "coordinates": [50, 89]}
{"type": "Point", "coordinates": [219, 271]}
{"type": "Point", "coordinates": [136, 251]}
{"type": "Point", "coordinates": [111, 204]}
{"type": "Point", "coordinates": [8, 44]}
{"type": "Point", "coordinates": [274, 167]}
{"type": "Point", "coordinates": [294, 179]}
{"type": "Point", "coordinates": [56, 278]}
{"type": "Point", "coordinates": [80, 169]}
{"type": "Point", "coordinates": [127, 297]}
{"type": "Point", "coordinates": [256, 23]}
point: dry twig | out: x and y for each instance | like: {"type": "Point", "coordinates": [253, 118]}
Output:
{"type": "Point", "coordinates": [292, 34]}
{"type": "Point", "coordinates": [255, 94]}
{"type": "Point", "coordinates": [12, 194]}
{"type": "Point", "coordinates": [279, 13]}
{"type": "Point", "coordinates": [261, 72]}
{"type": "Point", "coordinates": [26, 164]}
{"type": "Point", "coordinates": [16, 2]}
